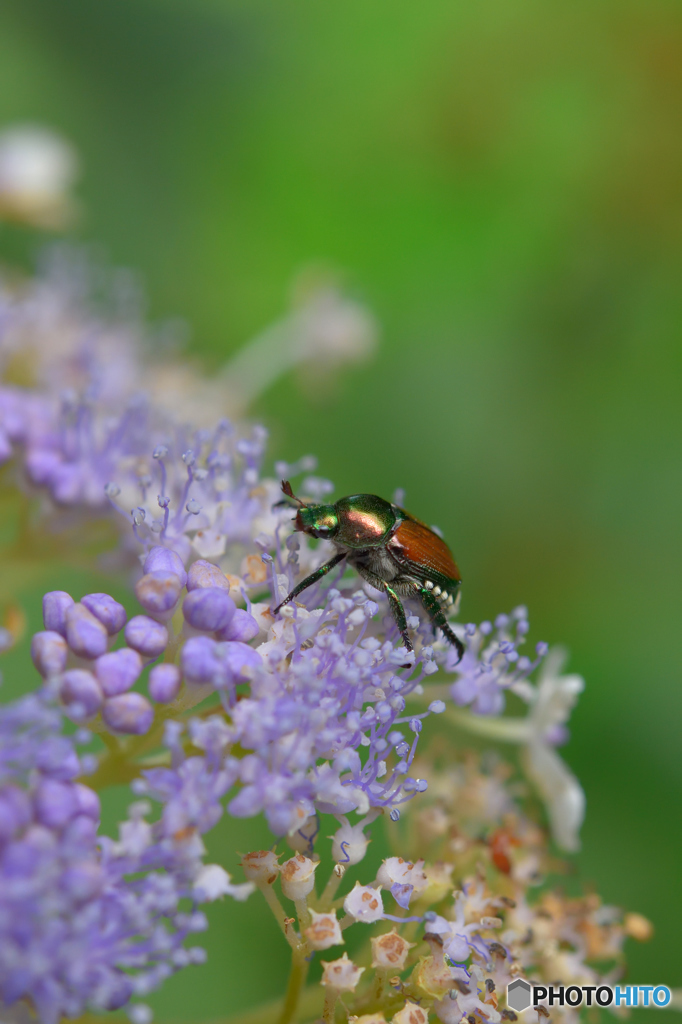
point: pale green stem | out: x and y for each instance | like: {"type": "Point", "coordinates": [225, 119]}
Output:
{"type": "Point", "coordinates": [295, 985]}
{"type": "Point", "coordinates": [280, 915]}
{"type": "Point", "coordinates": [330, 1000]}
{"type": "Point", "coordinates": [329, 892]}
{"type": "Point", "coordinates": [302, 912]}
{"type": "Point", "coordinates": [493, 727]}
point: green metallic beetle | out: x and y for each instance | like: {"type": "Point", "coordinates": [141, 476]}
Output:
{"type": "Point", "coordinates": [392, 551]}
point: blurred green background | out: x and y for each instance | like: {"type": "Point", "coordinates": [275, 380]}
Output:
{"type": "Point", "coordinates": [501, 182]}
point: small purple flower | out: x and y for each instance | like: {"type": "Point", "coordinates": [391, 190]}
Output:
{"type": "Point", "coordinates": [240, 660]}
{"type": "Point", "coordinates": [110, 613]}
{"type": "Point", "coordinates": [164, 683]}
{"type": "Point", "coordinates": [118, 670]}
{"type": "Point", "coordinates": [201, 662]}
{"type": "Point", "coordinates": [15, 811]}
{"type": "Point", "coordinates": [165, 560]}
{"type": "Point", "coordinates": [55, 803]}
{"type": "Point", "coordinates": [128, 713]}
{"type": "Point", "coordinates": [49, 652]}
{"type": "Point", "coordinates": [55, 605]}
{"type": "Point", "coordinates": [146, 635]}
{"type": "Point", "coordinates": [158, 592]}
{"type": "Point", "coordinates": [242, 626]}
{"type": "Point", "coordinates": [85, 634]}
{"type": "Point", "coordinates": [206, 574]}
{"type": "Point", "coordinates": [81, 693]}
{"type": "Point", "coordinates": [208, 609]}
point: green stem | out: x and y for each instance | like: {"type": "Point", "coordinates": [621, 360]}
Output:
{"type": "Point", "coordinates": [324, 904]}
{"type": "Point", "coordinates": [330, 1000]}
{"type": "Point", "coordinates": [297, 980]}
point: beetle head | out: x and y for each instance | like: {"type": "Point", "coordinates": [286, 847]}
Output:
{"type": "Point", "coordinates": [316, 520]}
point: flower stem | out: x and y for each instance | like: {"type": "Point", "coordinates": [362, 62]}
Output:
{"type": "Point", "coordinates": [297, 979]}
{"type": "Point", "coordinates": [330, 1001]}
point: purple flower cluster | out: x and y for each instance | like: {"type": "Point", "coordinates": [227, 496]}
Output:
{"type": "Point", "coordinates": [88, 922]}
{"type": "Point", "coordinates": [492, 665]}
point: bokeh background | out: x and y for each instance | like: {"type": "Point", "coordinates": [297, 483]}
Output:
{"type": "Point", "coordinates": [501, 183]}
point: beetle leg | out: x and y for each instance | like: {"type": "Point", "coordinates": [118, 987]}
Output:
{"type": "Point", "coordinates": [394, 603]}
{"type": "Point", "coordinates": [437, 616]}
{"type": "Point", "coordinates": [309, 580]}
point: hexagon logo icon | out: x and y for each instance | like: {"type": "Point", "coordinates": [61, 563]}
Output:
{"type": "Point", "coordinates": [518, 995]}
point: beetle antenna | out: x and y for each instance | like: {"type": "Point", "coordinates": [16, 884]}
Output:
{"type": "Point", "coordinates": [286, 488]}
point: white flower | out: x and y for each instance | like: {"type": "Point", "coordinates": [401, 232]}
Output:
{"type": "Point", "coordinates": [364, 904]}
{"type": "Point", "coordinates": [550, 706]}
{"type": "Point", "coordinates": [341, 974]}
{"type": "Point", "coordinates": [350, 844]}
{"type": "Point", "coordinates": [324, 931]}
{"type": "Point", "coordinates": [556, 783]}
{"type": "Point", "coordinates": [261, 866]}
{"type": "Point", "coordinates": [37, 169]}
{"type": "Point", "coordinates": [298, 876]}
{"type": "Point", "coordinates": [213, 881]}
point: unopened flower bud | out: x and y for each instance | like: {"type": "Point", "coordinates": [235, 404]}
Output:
{"type": "Point", "coordinates": [81, 692]}
{"type": "Point", "coordinates": [88, 801]}
{"type": "Point", "coordinates": [85, 634]}
{"type": "Point", "coordinates": [261, 866]}
{"type": "Point", "coordinates": [208, 608]}
{"type": "Point", "coordinates": [324, 931]}
{"type": "Point", "coordinates": [432, 976]}
{"type": "Point", "coordinates": [242, 627]}
{"type": "Point", "coordinates": [55, 605]}
{"type": "Point", "coordinates": [164, 683]}
{"type": "Point", "coordinates": [110, 613]}
{"type": "Point", "coordinates": [165, 560]}
{"type": "Point", "coordinates": [158, 592]}
{"type": "Point", "coordinates": [240, 661]}
{"type": "Point", "coordinates": [396, 872]}
{"type": "Point", "coordinates": [205, 574]}
{"type": "Point", "coordinates": [201, 662]}
{"type": "Point", "coordinates": [349, 844]}
{"type": "Point", "coordinates": [128, 713]}
{"type": "Point", "coordinates": [390, 951]}
{"type": "Point", "coordinates": [118, 670]}
{"type": "Point", "coordinates": [411, 1013]}
{"type": "Point", "coordinates": [298, 876]}
{"type": "Point", "coordinates": [55, 802]}
{"type": "Point", "coordinates": [364, 904]}
{"type": "Point", "coordinates": [49, 652]}
{"type": "Point", "coordinates": [341, 974]}
{"type": "Point", "coordinates": [638, 927]}
{"type": "Point", "coordinates": [147, 636]}
{"type": "Point", "coordinates": [15, 811]}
